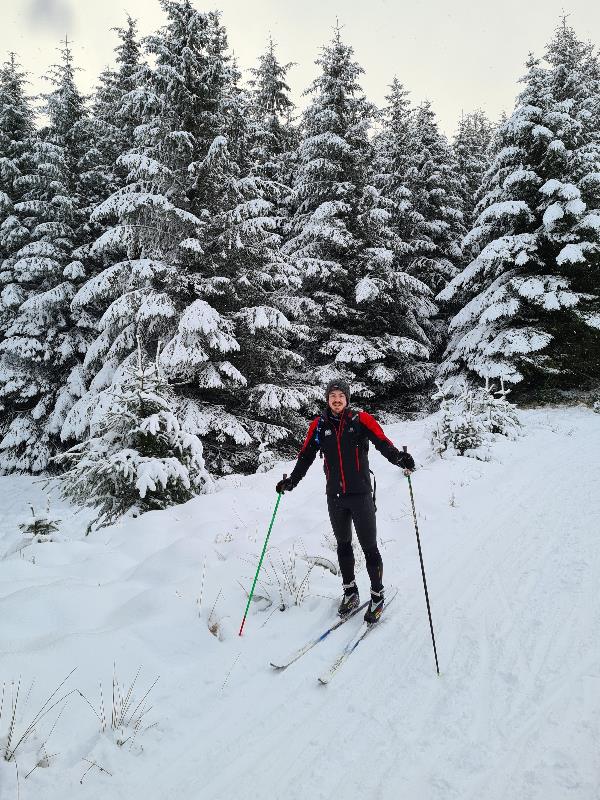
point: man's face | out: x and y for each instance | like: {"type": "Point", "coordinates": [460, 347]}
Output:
{"type": "Point", "coordinates": [337, 401]}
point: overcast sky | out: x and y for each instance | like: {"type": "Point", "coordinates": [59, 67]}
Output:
{"type": "Point", "coordinates": [461, 55]}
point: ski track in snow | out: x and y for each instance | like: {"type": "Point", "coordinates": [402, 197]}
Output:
{"type": "Point", "coordinates": [512, 567]}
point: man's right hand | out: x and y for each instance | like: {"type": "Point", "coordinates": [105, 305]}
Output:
{"type": "Point", "coordinates": [285, 485]}
{"type": "Point", "coordinates": [406, 461]}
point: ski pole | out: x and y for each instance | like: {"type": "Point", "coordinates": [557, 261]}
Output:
{"type": "Point", "coordinates": [262, 555]}
{"type": "Point", "coordinates": [412, 500]}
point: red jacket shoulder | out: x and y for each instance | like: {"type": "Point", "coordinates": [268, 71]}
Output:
{"type": "Point", "coordinates": [372, 425]}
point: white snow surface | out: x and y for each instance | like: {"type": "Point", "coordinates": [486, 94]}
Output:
{"type": "Point", "coordinates": [512, 556]}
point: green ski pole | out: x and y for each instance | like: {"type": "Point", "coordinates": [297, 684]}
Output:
{"type": "Point", "coordinates": [262, 555]}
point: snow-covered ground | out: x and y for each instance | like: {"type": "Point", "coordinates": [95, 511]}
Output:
{"type": "Point", "coordinates": [512, 553]}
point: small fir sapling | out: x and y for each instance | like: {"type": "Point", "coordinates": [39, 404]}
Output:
{"type": "Point", "coordinates": [459, 427]}
{"type": "Point", "coordinates": [40, 525]}
{"type": "Point", "coordinates": [471, 417]}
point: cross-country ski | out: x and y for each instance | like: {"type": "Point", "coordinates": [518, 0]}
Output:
{"type": "Point", "coordinates": [351, 646]}
{"type": "Point", "coordinates": [290, 659]}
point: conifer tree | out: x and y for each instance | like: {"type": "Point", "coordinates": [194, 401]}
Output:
{"type": "Point", "coordinates": [394, 159]}
{"type": "Point", "coordinates": [39, 357]}
{"type": "Point", "coordinates": [193, 241]}
{"type": "Point", "coordinates": [154, 242]}
{"type": "Point", "coordinates": [367, 314]}
{"type": "Point", "coordinates": [17, 137]}
{"type": "Point", "coordinates": [273, 136]}
{"type": "Point", "coordinates": [434, 184]}
{"type": "Point", "coordinates": [110, 128]}
{"type": "Point", "coordinates": [471, 149]}
{"type": "Point", "coordinates": [273, 402]}
{"type": "Point", "coordinates": [113, 113]}
{"type": "Point", "coordinates": [530, 300]}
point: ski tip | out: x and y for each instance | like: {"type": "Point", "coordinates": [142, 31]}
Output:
{"type": "Point", "coordinates": [323, 681]}
{"type": "Point", "coordinates": [278, 667]}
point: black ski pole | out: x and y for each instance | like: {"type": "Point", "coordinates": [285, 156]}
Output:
{"type": "Point", "coordinates": [412, 500]}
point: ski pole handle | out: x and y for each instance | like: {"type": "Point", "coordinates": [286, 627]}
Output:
{"type": "Point", "coordinates": [406, 471]}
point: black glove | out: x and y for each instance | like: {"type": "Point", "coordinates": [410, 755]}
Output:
{"type": "Point", "coordinates": [406, 461]}
{"type": "Point", "coordinates": [285, 485]}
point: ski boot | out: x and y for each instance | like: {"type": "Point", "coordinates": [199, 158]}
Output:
{"type": "Point", "coordinates": [375, 608]}
{"type": "Point", "coordinates": [350, 600]}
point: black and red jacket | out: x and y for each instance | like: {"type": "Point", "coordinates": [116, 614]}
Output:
{"type": "Point", "coordinates": [344, 445]}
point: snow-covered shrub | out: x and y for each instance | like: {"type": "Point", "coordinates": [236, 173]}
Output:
{"type": "Point", "coordinates": [470, 417]}
{"type": "Point", "coordinates": [137, 457]}
{"type": "Point", "coordinates": [40, 525]}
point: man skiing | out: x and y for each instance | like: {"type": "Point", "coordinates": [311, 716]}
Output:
{"type": "Point", "coordinates": [342, 436]}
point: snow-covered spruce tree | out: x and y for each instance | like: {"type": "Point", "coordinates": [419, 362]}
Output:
{"type": "Point", "coordinates": [41, 526]}
{"type": "Point", "coordinates": [366, 314]}
{"type": "Point", "coordinates": [153, 241]}
{"type": "Point", "coordinates": [434, 184]}
{"type": "Point", "coordinates": [39, 358]}
{"type": "Point", "coordinates": [246, 282]}
{"type": "Point", "coordinates": [472, 416]}
{"type": "Point", "coordinates": [112, 114]}
{"type": "Point", "coordinates": [17, 137]}
{"type": "Point", "coordinates": [394, 168]}
{"type": "Point", "coordinates": [459, 428]}
{"type": "Point", "coordinates": [110, 129]}
{"type": "Point", "coordinates": [258, 287]}
{"type": "Point", "coordinates": [137, 457]}
{"type": "Point", "coordinates": [472, 152]}
{"type": "Point", "coordinates": [532, 296]}
{"type": "Point", "coordinates": [191, 245]}
{"type": "Point", "coordinates": [273, 137]}
{"type": "Point", "coordinates": [394, 158]}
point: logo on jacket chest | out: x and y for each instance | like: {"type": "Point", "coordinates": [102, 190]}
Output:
{"type": "Point", "coordinates": [327, 432]}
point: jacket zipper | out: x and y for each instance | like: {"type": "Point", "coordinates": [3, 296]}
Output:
{"type": "Point", "coordinates": [357, 461]}
{"type": "Point", "coordinates": [338, 437]}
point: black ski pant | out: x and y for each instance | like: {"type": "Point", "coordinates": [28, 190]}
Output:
{"type": "Point", "coordinates": [360, 510]}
